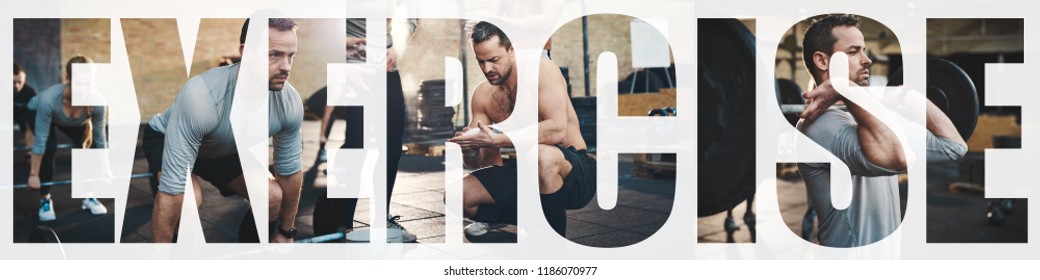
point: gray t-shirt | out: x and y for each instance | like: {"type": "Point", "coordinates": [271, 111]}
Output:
{"type": "Point", "coordinates": [49, 112]}
{"type": "Point", "coordinates": [197, 126]}
{"type": "Point", "coordinates": [874, 211]}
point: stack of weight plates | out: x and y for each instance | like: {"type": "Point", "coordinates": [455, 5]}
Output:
{"type": "Point", "coordinates": [435, 120]}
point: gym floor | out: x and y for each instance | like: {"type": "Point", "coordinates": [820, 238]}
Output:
{"type": "Point", "coordinates": [955, 217]}
{"type": "Point", "coordinates": [417, 199]}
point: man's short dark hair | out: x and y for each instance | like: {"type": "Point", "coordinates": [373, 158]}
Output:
{"type": "Point", "coordinates": [280, 24]}
{"type": "Point", "coordinates": [819, 37]}
{"type": "Point", "coordinates": [483, 31]}
{"type": "Point", "coordinates": [18, 69]}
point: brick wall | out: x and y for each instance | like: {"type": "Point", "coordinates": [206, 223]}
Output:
{"type": "Point", "coordinates": [157, 63]}
{"type": "Point", "coordinates": [89, 37]}
{"type": "Point", "coordinates": [157, 59]}
{"type": "Point", "coordinates": [606, 33]}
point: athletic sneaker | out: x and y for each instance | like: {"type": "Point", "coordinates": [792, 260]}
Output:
{"type": "Point", "coordinates": [46, 211]}
{"type": "Point", "coordinates": [406, 237]}
{"type": "Point", "coordinates": [95, 206]}
{"type": "Point", "coordinates": [478, 228]}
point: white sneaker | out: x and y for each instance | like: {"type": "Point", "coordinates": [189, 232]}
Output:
{"type": "Point", "coordinates": [47, 210]}
{"type": "Point", "coordinates": [95, 206]}
{"type": "Point", "coordinates": [392, 225]}
{"type": "Point", "coordinates": [478, 228]}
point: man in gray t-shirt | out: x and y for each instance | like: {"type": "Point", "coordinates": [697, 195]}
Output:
{"type": "Point", "coordinates": [194, 135]}
{"type": "Point", "coordinates": [870, 150]}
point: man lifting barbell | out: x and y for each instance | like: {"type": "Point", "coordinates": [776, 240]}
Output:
{"type": "Point", "coordinates": [867, 146]}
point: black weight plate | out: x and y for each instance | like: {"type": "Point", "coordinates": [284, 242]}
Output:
{"type": "Point", "coordinates": [950, 89]}
{"type": "Point", "coordinates": [938, 97]}
{"type": "Point", "coordinates": [961, 96]}
{"type": "Point", "coordinates": [788, 92]}
{"type": "Point", "coordinates": [43, 234]}
{"type": "Point", "coordinates": [726, 115]}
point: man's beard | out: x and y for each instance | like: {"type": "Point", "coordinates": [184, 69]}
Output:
{"type": "Point", "coordinates": [865, 82]}
{"type": "Point", "coordinates": [277, 86]}
{"type": "Point", "coordinates": [502, 77]}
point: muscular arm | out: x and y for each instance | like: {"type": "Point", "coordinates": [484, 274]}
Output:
{"type": "Point", "coordinates": [880, 145]}
{"type": "Point", "coordinates": [288, 162]}
{"type": "Point", "coordinates": [291, 185]}
{"type": "Point", "coordinates": [190, 119]}
{"type": "Point", "coordinates": [481, 157]}
{"type": "Point", "coordinates": [165, 216]}
{"type": "Point", "coordinates": [939, 124]}
{"type": "Point", "coordinates": [552, 104]}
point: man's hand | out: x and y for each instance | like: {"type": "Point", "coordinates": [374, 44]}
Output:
{"type": "Point", "coordinates": [472, 138]}
{"type": "Point", "coordinates": [819, 100]}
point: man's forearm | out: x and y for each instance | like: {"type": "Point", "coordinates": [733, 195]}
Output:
{"type": "Point", "coordinates": [939, 124]}
{"type": "Point", "coordinates": [165, 215]}
{"type": "Point", "coordinates": [879, 143]}
{"type": "Point", "coordinates": [291, 186]}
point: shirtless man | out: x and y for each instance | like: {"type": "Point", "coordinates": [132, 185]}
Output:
{"type": "Point", "coordinates": [195, 134]}
{"type": "Point", "coordinates": [566, 172]}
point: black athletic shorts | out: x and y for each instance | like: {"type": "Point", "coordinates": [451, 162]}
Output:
{"type": "Point", "coordinates": [500, 181]}
{"type": "Point", "coordinates": [580, 184]}
{"type": "Point", "coordinates": [219, 171]}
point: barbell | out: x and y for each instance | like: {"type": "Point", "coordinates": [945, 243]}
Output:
{"type": "Point", "coordinates": [948, 87]}
{"type": "Point", "coordinates": [69, 182]}
{"type": "Point", "coordinates": [29, 148]}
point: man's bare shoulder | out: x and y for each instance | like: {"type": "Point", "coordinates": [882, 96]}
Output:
{"type": "Point", "coordinates": [482, 94]}
{"type": "Point", "coordinates": [549, 73]}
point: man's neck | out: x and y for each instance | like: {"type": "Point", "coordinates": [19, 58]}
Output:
{"type": "Point", "coordinates": [509, 87]}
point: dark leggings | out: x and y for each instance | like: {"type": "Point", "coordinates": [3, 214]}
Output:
{"type": "Point", "coordinates": [330, 214]}
{"type": "Point", "coordinates": [47, 164]}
